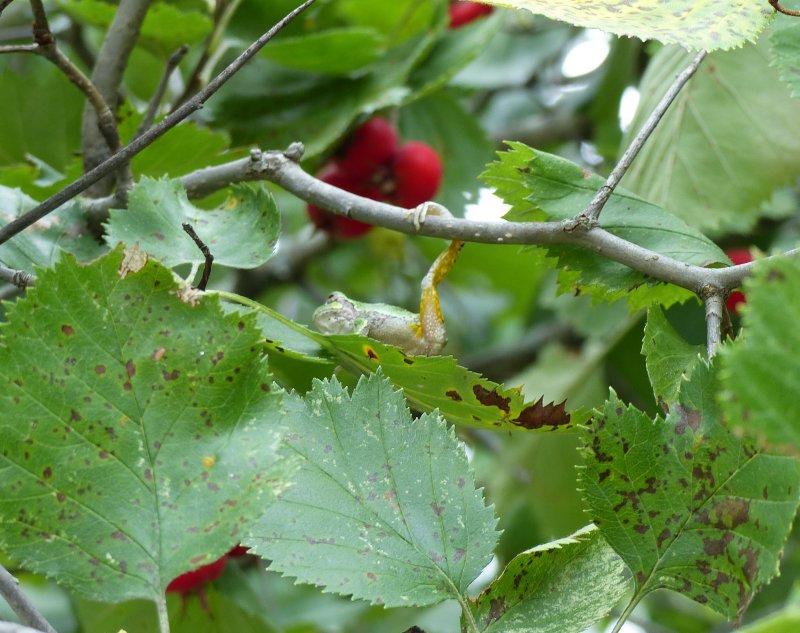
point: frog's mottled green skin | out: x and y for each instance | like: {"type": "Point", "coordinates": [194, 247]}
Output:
{"type": "Point", "coordinates": [383, 322]}
{"type": "Point", "coordinates": [416, 334]}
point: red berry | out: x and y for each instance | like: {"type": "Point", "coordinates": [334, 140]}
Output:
{"type": "Point", "coordinates": [418, 174]}
{"type": "Point", "coordinates": [462, 13]}
{"type": "Point", "coordinates": [340, 226]}
{"type": "Point", "coordinates": [371, 145]}
{"type": "Point", "coordinates": [197, 578]}
{"type": "Point", "coordinates": [737, 256]}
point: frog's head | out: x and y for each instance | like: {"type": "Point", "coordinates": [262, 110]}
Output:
{"type": "Point", "coordinates": [336, 316]}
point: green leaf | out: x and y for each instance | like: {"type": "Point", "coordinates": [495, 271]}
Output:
{"type": "Point", "coordinates": [785, 42]}
{"type": "Point", "coordinates": [709, 24]}
{"type": "Point", "coordinates": [541, 186]}
{"type": "Point", "coordinates": [670, 359]}
{"type": "Point", "coordinates": [687, 504]}
{"type": "Point", "coordinates": [331, 52]}
{"type": "Point", "coordinates": [441, 121]}
{"type": "Point", "coordinates": [383, 507]}
{"type": "Point", "coordinates": [439, 383]}
{"type": "Point", "coordinates": [530, 596]}
{"type": "Point", "coordinates": [734, 117]}
{"type": "Point", "coordinates": [400, 20]}
{"type": "Point", "coordinates": [42, 244]}
{"type": "Point", "coordinates": [759, 371]}
{"type": "Point", "coordinates": [140, 432]}
{"type": "Point", "coordinates": [29, 124]}
{"type": "Point", "coordinates": [215, 612]}
{"type": "Point", "coordinates": [165, 27]}
{"type": "Point", "coordinates": [242, 233]}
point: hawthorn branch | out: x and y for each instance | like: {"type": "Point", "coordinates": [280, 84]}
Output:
{"type": "Point", "coordinates": [19, 278]}
{"type": "Point", "coordinates": [4, 4]}
{"type": "Point", "coordinates": [588, 217]}
{"type": "Point", "coordinates": [780, 9]}
{"type": "Point", "coordinates": [13, 627]}
{"type": "Point", "coordinates": [137, 145]}
{"type": "Point", "coordinates": [21, 605]}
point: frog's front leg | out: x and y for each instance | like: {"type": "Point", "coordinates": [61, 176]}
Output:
{"type": "Point", "coordinates": [419, 214]}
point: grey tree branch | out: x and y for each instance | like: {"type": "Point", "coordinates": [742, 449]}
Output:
{"type": "Point", "coordinates": [112, 60]}
{"type": "Point", "coordinates": [715, 305]}
{"type": "Point", "coordinates": [591, 213]}
{"type": "Point", "coordinates": [4, 4]}
{"type": "Point", "coordinates": [137, 145]}
{"type": "Point", "coordinates": [19, 278]}
{"type": "Point", "coordinates": [19, 602]}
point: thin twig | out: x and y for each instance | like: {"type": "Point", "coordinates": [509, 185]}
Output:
{"type": "Point", "coordinates": [137, 145]}
{"type": "Point", "coordinates": [19, 48]}
{"type": "Point", "coordinates": [19, 602]}
{"type": "Point", "coordinates": [780, 9]}
{"type": "Point", "coordinates": [19, 278]}
{"type": "Point", "coordinates": [588, 217]}
{"type": "Point", "coordinates": [158, 95]}
{"type": "Point", "coordinates": [206, 253]}
{"type": "Point", "coordinates": [713, 298]}
{"type": "Point", "coordinates": [4, 4]}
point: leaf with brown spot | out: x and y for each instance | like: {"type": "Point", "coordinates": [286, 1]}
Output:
{"type": "Point", "coordinates": [681, 498]}
{"type": "Point", "coordinates": [121, 445]}
{"type": "Point", "coordinates": [529, 596]}
{"type": "Point", "coordinates": [386, 507]}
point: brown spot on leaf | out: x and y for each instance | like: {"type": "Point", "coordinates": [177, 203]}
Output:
{"type": "Point", "coordinates": [130, 368]}
{"type": "Point", "coordinates": [454, 395]}
{"type": "Point", "coordinates": [688, 418]}
{"type": "Point", "coordinates": [75, 416]}
{"type": "Point", "coordinates": [538, 415]}
{"type": "Point", "coordinates": [370, 353]}
{"type": "Point", "coordinates": [491, 398]}
{"type": "Point", "coordinates": [173, 375]}
{"type": "Point", "coordinates": [437, 509]}
{"type": "Point", "coordinates": [47, 473]}
{"type": "Point", "coordinates": [68, 330]}
{"type": "Point", "coordinates": [497, 607]}
{"type": "Point", "coordinates": [408, 361]}
{"type": "Point", "coordinates": [159, 353]}
{"type": "Point", "coordinates": [716, 547]}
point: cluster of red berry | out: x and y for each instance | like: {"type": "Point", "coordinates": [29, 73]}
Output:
{"type": "Point", "coordinates": [462, 13]}
{"type": "Point", "coordinates": [374, 165]}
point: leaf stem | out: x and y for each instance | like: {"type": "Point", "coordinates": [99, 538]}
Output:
{"type": "Point", "coordinates": [163, 614]}
{"type": "Point", "coordinates": [591, 213]}
{"type": "Point", "coordinates": [635, 600]}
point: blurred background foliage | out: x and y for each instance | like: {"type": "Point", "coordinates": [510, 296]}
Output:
{"type": "Point", "coordinates": [508, 76]}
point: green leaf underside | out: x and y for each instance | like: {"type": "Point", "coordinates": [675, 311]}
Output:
{"type": "Point", "coordinates": [760, 370]}
{"type": "Point", "coordinates": [693, 24]}
{"type": "Point", "coordinates": [462, 396]}
{"type": "Point", "coordinates": [242, 233]}
{"type": "Point", "coordinates": [382, 507]}
{"type": "Point", "coordinates": [669, 358]}
{"type": "Point", "coordinates": [734, 117]}
{"type": "Point", "coordinates": [685, 503]}
{"type": "Point", "coordinates": [529, 596]}
{"type": "Point", "coordinates": [785, 41]}
{"type": "Point", "coordinates": [540, 186]}
{"type": "Point", "coordinates": [42, 244]}
{"type": "Point", "coordinates": [140, 432]}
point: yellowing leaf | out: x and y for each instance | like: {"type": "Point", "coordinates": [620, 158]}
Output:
{"type": "Point", "coordinates": [695, 24]}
